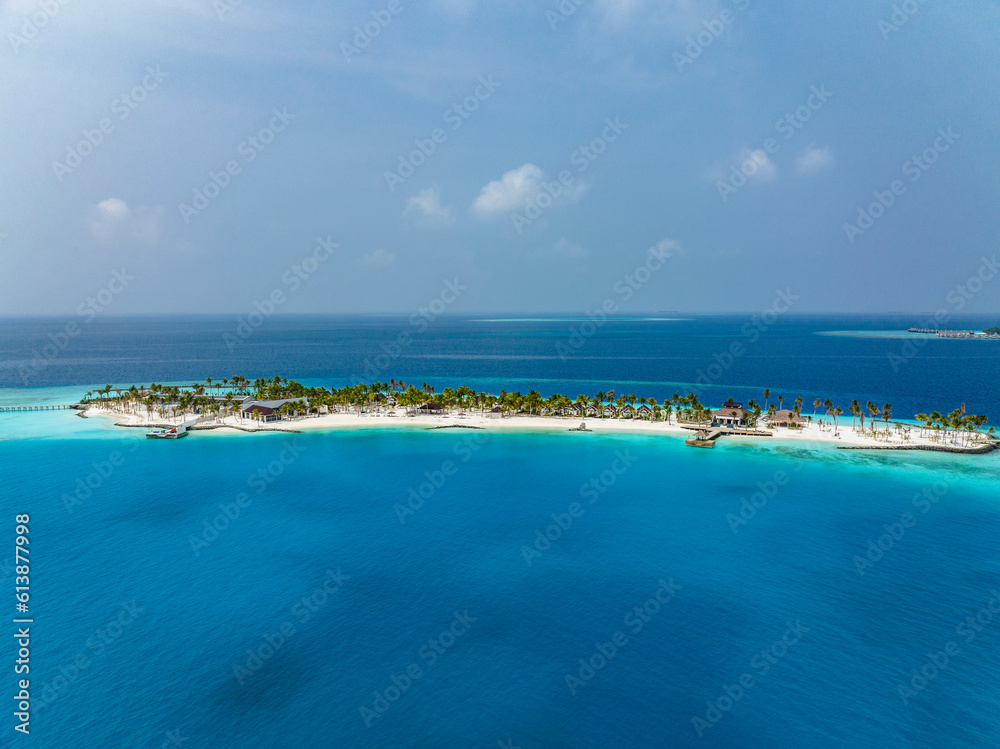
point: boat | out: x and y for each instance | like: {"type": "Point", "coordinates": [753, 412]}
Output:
{"type": "Point", "coordinates": [174, 433]}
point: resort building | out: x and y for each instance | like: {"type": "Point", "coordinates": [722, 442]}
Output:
{"type": "Point", "coordinates": [267, 411]}
{"type": "Point", "coordinates": [644, 412]}
{"type": "Point", "coordinates": [786, 417]}
{"type": "Point", "coordinates": [733, 415]}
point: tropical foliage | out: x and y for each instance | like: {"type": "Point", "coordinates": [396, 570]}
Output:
{"type": "Point", "coordinates": [222, 398]}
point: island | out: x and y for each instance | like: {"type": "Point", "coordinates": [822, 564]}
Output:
{"type": "Point", "coordinates": [279, 404]}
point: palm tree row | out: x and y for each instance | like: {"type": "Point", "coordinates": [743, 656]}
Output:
{"type": "Point", "coordinates": [221, 398]}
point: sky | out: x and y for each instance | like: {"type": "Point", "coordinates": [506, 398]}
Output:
{"type": "Point", "coordinates": [191, 156]}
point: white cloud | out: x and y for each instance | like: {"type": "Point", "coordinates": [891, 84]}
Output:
{"type": "Point", "coordinates": [665, 248]}
{"type": "Point", "coordinates": [510, 192]}
{"type": "Point", "coordinates": [426, 211]}
{"type": "Point", "coordinates": [108, 216]}
{"type": "Point", "coordinates": [377, 259]}
{"type": "Point", "coordinates": [518, 187]}
{"type": "Point", "coordinates": [757, 166]}
{"type": "Point", "coordinates": [113, 219]}
{"type": "Point", "coordinates": [113, 209]}
{"type": "Point", "coordinates": [814, 160]}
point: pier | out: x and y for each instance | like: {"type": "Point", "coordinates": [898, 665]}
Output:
{"type": "Point", "coordinates": [51, 407]}
{"type": "Point", "coordinates": [706, 437]}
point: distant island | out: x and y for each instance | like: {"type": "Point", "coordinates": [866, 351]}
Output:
{"type": "Point", "coordinates": [989, 333]}
{"type": "Point", "coordinates": [286, 405]}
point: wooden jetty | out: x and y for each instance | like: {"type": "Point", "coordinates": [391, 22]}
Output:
{"type": "Point", "coordinates": [50, 407]}
{"type": "Point", "coordinates": [707, 437]}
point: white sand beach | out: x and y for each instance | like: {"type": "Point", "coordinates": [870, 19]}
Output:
{"type": "Point", "coordinates": [815, 432]}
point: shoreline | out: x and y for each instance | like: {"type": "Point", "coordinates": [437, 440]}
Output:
{"type": "Point", "coordinates": [846, 437]}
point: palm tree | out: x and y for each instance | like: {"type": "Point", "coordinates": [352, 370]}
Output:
{"type": "Point", "coordinates": [873, 413]}
{"type": "Point", "coordinates": [816, 404]}
{"type": "Point", "coordinates": [767, 394]}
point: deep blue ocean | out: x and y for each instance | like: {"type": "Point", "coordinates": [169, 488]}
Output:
{"type": "Point", "coordinates": [554, 590]}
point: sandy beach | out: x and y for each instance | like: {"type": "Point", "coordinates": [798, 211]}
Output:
{"type": "Point", "coordinates": [815, 432]}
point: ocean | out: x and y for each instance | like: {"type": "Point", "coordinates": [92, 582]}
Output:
{"type": "Point", "coordinates": [413, 588]}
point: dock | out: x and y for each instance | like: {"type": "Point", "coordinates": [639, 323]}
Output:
{"type": "Point", "coordinates": [51, 407]}
{"type": "Point", "coordinates": [707, 437]}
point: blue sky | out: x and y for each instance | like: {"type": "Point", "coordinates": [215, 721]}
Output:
{"type": "Point", "coordinates": [561, 145]}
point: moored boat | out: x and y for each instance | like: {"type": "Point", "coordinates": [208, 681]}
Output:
{"type": "Point", "coordinates": [173, 433]}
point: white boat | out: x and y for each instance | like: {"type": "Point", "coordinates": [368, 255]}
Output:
{"type": "Point", "coordinates": [173, 433]}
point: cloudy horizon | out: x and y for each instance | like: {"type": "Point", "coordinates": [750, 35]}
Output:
{"type": "Point", "coordinates": [539, 154]}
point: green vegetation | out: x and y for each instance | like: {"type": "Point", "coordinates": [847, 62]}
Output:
{"type": "Point", "coordinates": [223, 398]}
{"type": "Point", "coordinates": [992, 331]}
